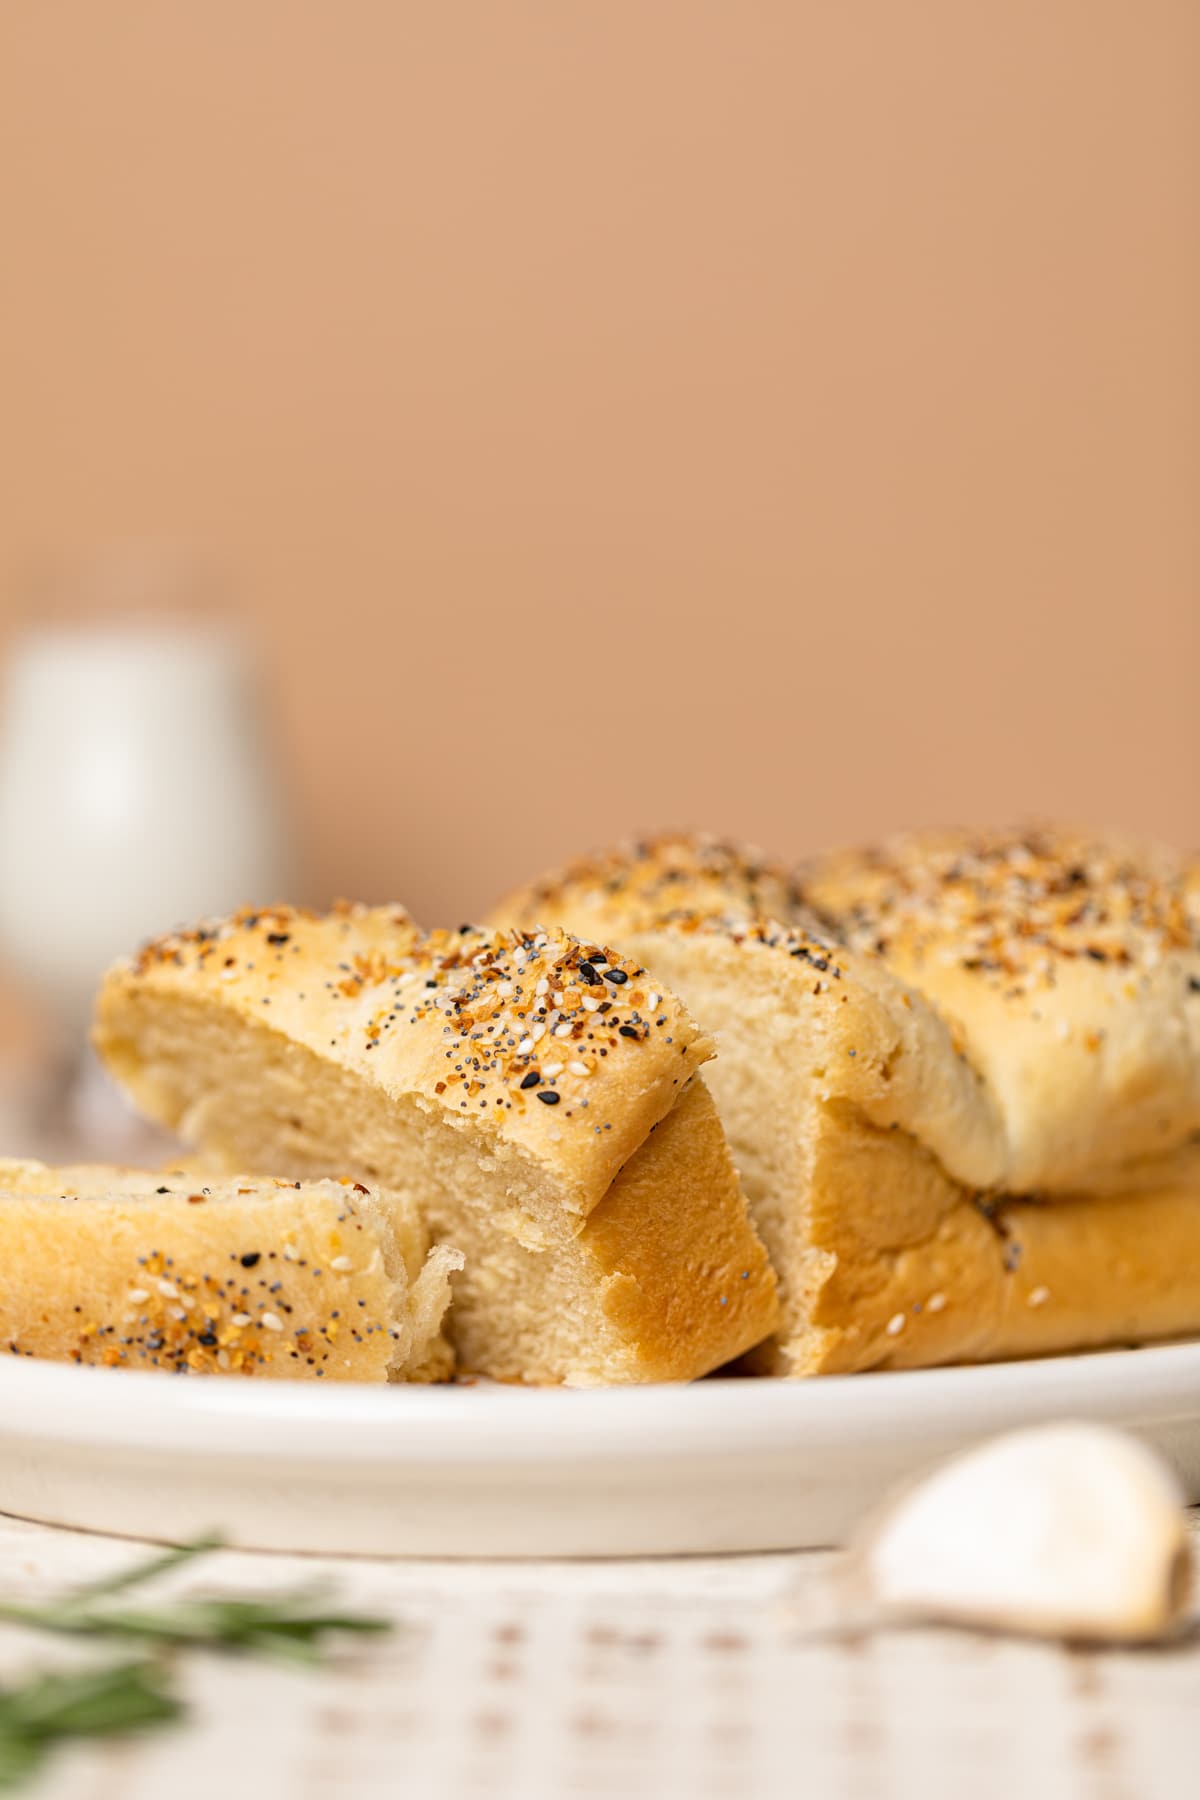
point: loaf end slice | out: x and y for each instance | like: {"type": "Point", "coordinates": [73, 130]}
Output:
{"type": "Point", "coordinates": [212, 1275]}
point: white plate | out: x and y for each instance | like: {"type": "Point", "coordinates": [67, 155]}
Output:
{"type": "Point", "coordinates": [491, 1471]}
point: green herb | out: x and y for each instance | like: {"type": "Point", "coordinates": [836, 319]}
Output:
{"type": "Point", "coordinates": [48, 1709]}
{"type": "Point", "coordinates": [288, 1627]}
{"type": "Point", "coordinates": [147, 1571]}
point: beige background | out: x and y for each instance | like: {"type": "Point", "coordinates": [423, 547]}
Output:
{"type": "Point", "coordinates": [778, 416]}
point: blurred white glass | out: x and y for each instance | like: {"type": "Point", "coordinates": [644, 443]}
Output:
{"type": "Point", "coordinates": [137, 792]}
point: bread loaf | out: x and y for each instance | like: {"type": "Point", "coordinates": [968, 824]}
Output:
{"type": "Point", "coordinates": [205, 1276]}
{"type": "Point", "coordinates": [874, 1154]}
{"type": "Point", "coordinates": [541, 1109]}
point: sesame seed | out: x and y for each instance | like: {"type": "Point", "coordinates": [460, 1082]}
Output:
{"type": "Point", "coordinates": [1038, 1296]}
{"type": "Point", "coordinates": [935, 1302]}
{"type": "Point", "coordinates": [239, 1319]}
{"type": "Point", "coordinates": [895, 1324]}
{"type": "Point", "coordinates": [272, 1321]}
{"type": "Point", "coordinates": [341, 1263]}
{"type": "Point", "coordinates": [168, 1290]}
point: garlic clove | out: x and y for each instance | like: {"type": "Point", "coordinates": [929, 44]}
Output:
{"type": "Point", "coordinates": [1063, 1530]}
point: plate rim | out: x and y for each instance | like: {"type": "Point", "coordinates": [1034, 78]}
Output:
{"type": "Point", "coordinates": [153, 1413]}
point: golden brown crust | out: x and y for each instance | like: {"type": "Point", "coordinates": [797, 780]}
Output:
{"type": "Point", "coordinates": [916, 1270]}
{"type": "Point", "coordinates": [547, 1061]}
{"type": "Point", "coordinates": [571, 1061]}
{"type": "Point", "coordinates": [204, 1276]}
{"type": "Point", "coordinates": [1007, 906]}
{"type": "Point", "coordinates": [1070, 969]}
{"type": "Point", "coordinates": [654, 881]}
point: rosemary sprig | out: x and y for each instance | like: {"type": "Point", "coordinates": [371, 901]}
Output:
{"type": "Point", "coordinates": [48, 1709]}
{"type": "Point", "coordinates": [141, 1572]}
{"type": "Point", "coordinates": [136, 1695]}
{"type": "Point", "coordinates": [290, 1626]}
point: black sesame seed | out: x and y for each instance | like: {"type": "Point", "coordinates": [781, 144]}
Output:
{"type": "Point", "coordinates": [251, 1257]}
{"type": "Point", "coordinates": [548, 1097]}
{"type": "Point", "coordinates": [630, 1031]}
{"type": "Point", "coordinates": [589, 974]}
{"type": "Point", "coordinates": [162, 1190]}
{"type": "Point", "coordinates": [616, 975]}
{"type": "Point", "coordinates": [279, 937]}
{"type": "Point", "coordinates": [207, 1337]}
{"type": "Point", "coordinates": [532, 1079]}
